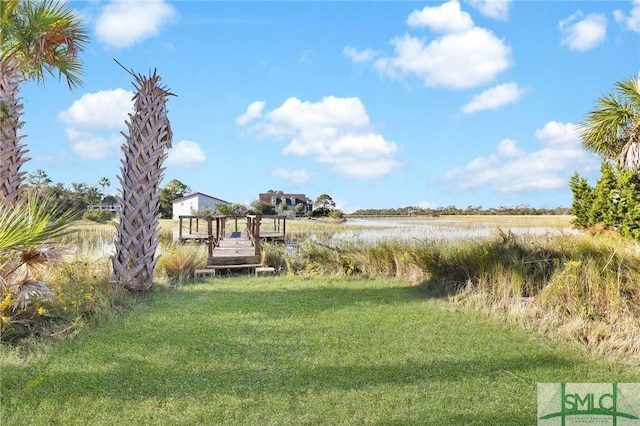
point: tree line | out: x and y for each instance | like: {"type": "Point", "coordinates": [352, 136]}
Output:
{"type": "Point", "coordinates": [469, 210]}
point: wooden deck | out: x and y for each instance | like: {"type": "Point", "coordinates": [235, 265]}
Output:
{"type": "Point", "coordinates": [236, 249]}
{"type": "Point", "coordinates": [229, 247]}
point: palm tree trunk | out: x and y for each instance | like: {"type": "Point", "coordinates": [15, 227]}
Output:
{"type": "Point", "coordinates": [630, 155]}
{"type": "Point", "coordinates": [141, 173]}
{"type": "Point", "coordinates": [12, 152]}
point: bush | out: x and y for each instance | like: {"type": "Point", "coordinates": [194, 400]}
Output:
{"type": "Point", "coordinates": [100, 216]}
{"type": "Point", "coordinates": [179, 262]}
{"type": "Point", "coordinates": [612, 205]}
{"type": "Point", "coordinates": [336, 214]}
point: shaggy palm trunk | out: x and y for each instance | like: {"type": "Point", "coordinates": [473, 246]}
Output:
{"type": "Point", "coordinates": [630, 155]}
{"type": "Point", "coordinates": [12, 152]}
{"type": "Point", "coordinates": [141, 173]}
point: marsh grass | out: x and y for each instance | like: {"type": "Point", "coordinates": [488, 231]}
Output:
{"type": "Point", "coordinates": [508, 221]}
{"type": "Point", "coordinates": [334, 351]}
{"type": "Point", "coordinates": [178, 262]}
{"type": "Point", "coordinates": [576, 288]}
{"type": "Point", "coordinates": [580, 289]}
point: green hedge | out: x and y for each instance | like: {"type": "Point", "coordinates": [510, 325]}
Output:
{"type": "Point", "coordinates": [613, 204]}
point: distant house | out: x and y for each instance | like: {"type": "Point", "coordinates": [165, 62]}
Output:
{"type": "Point", "coordinates": [284, 203]}
{"type": "Point", "coordinates": [189, 204]}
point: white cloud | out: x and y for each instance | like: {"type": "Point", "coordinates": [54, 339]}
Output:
{"type": "Point", "coordinates": [124, 23]}
{"type": "Point", "coordinates": [583, 33]}
{"type": "Point", "coordinates": [494, 98]}
{"type": "Point", "coordinates": [185, 153]}
{"type": "Point", "coordinates": [511, 169]}
{"type": "Point", "coordinates": [461, 56]}
{"type": "Point", "coordinates": [496, 9]}
{"type": "Point", "coordinates": [325, 117]}
{"type": "Point", "coordinates": [293, 176]}
{"type": "Point", "coordinates": [361, 56]}
{"type": "Point", "coordinates": [509, 148]}
{"type": "Point", "coordinates": [446, 18]}
{"type": "Point", "coordinates": [335, 131]}
{"type": "Point", "coordinates": [459, 60]}
{"type": "Point", "coordinates": [558, 134]}
{"type": "Point", "coordinates": [99, 110]}
{"type": "Point", "coordinates": [631, 21]}
{"type": "Point", "coordinates": [254, 111]}
{"type": "Point", "coordinates": [92, 145]}
{"type": "Point", "coordinates": [93, 122]}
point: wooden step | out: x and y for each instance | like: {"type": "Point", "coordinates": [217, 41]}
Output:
{"type": "Point", "coordinates": [233, 260]}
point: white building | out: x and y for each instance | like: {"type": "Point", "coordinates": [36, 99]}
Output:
{"type": "Point", "coordinates": [190, 204]}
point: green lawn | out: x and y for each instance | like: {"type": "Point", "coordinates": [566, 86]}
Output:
{"type": "Point", "coordinates": [276, 351]}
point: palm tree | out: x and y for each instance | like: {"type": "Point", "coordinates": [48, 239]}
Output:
{"type": "Point", "coordinates": [141, 173]}
{"type": "Point", "coordinates": [613, 129]}
{"type": "Point", "coordinates": [104, 182]}
{"type": "Point", "coordinates": [35, 36]}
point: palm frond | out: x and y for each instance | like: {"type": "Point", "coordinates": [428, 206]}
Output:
{"type": "Point", "coordinates": [45, 36]}
{"type": "Point", "coordinates": [32, 223]}
{"type": "Point", "coordinates": [611, 129]}
{"type": "Point", "coordinates": [27, 292]}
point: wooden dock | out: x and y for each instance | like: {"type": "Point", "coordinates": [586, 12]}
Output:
{"type": "Point", "coordinates": [230, 248]}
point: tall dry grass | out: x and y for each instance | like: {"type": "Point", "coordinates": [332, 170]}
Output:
{"type": "Point", "coordinates": [577, 288]}
{"type": "Point", "coordinates": [178, 262]}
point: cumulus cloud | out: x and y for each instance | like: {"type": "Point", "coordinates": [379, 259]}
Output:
{"type": "Point", "coordinates": [123, 23]}
{"type": "Point", "coordinates": [462, 55]}
{"type": "Point", "coordinates": [93, 122]}
{"type": "Point", "coordinates": [185, 153]}
{"type": "Point", "coordinates": [458, 61]}
{"type": "Point", "coordinates": [293, 176]}
{"type": "Point", "coordinates": [362, 56]}
{"type": "Point", "coordinates": [446, 18]}
{"type": "Point", "coordinates": [511, 169]}
{"type": "Point", "coordinates": [494, 98]}
{"type": "Point", "coordinates": [335, 131]}
{"type": "Point", "coordinates": [93, 145]}
{"type": "Point", "coordinates": [582, 33]}
{"type": "Point", "coordinates": [496, 9]}
{"type": "Point", "coordinates": [632, 21]}
{"type": "Point", "coordinates": [254, 111]}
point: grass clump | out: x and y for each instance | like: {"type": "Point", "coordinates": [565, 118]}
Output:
{"type": "Point", "coordinates": [178, 261]}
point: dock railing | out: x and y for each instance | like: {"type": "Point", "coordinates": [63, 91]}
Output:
{"type": "Point", "coordinates": [212, 229]}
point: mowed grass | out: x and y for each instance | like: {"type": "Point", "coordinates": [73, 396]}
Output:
{"type": "Point", "coordinates": [258, 351]}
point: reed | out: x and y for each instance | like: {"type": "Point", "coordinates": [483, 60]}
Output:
{"type": "Point", "coordinates": [178, 262]}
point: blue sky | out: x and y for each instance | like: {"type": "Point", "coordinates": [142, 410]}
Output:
{"type": "Point", "coordinates": [378, 104]}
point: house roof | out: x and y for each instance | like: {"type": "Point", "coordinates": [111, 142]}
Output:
{"type": "Point", "coordinates": [195, 194]}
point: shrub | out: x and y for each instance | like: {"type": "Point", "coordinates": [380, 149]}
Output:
{"type": "Point", "coordinates": [613, 204]}
{"type": "Point", "coordinates": [336, 214]}
{"type": "Point", "coordinates": [178, 261]}
{"type": "Point", "coordinates": [27, 230]}
{"type": "Point", "coordinates": [273, 254]}
{"type": "Point", "coordinates": [100, 216]}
